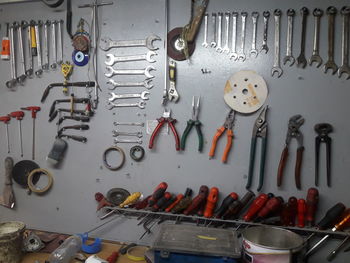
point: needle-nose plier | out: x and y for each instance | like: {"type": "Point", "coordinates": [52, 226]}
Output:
{"type": "Point", "coordinates": [161, 121]}
{"type": "Point", "coordinates": [227, 125]}
{"type": "Point", "coordinates": [293, 132]}
{"type": "Point", "coordinates": [259, 130]}
{"type": "Point", "coordinates": [193, 122]}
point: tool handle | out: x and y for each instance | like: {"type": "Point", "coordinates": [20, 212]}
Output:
{"type": "Point", "coordinates": [216, 137]}
{"type": "Point", "coordinates": [301, 213]}
{"type": "Point", "coordinates": [198, 125]}
{"type": "Point", "coordinates": [251, 162]}
{"type": "Point", "coordinates": [343, 222]}
{"type": "Point", "coordinates": [74, 137]}
{"type": "Point", "coordinates": [161, 201]}
{"type": "Point", "coordinates": [262, 163]}
{"type": "Point", "coordinates": [161, 122]}
{"type": "Point", "coordinates": [179, 197]}
{"type": "Point", "coordinates": [5, 119]}
{"type": "Point", "coordinates": [113, 257]}
{"type": "Point", "coordinates": [328, 159]}
{"type": "Point", "coordinates": [8, 170]}
{"type": "Point", "coordinates": [293, 204]}
{"type": "Point", "coordinates": [33, 109]}
{"type": "Point", "coordinates": [168, 203]}
{"type": "Point", "coordinates": [228, 145]}
{"type": "Point", "coordinates": [271, 206]}
{"type": "Point", "coordinates": [158, 193]}
{"type": "Point", "coordinates": [142, 204]}
{"type": "Point", "coordinates": [225, 204]}
{"type": "Point", "coordinates": [282, 165]}
{"type": "Point", "coordinates": [331, 215]}
{"type": "Point", "coordinates": [17, 114]}
{"type": "Point", "coordinates": [211, 202]}
{"type": "Point", "coordinates": [83, 127]}
{"type": "Point", "coordinates": [187, 130]}
{"type": "Point", "coordinates": [196, 202]}
{"type": "Point", "coordinates": [258, 203]}
{"type": "Point", "coordinates": [311, 205]}
{"type": "Point", "coordinates": [196, 21]}
{"type": "Point", "coordinates": [298, 163]}
{"type": "Point", "coordinates": [176, 136]}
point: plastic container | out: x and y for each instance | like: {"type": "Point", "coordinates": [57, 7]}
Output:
{"type": "Point", "coordinates": [11, 239]}
{"type": "Point", "coordinates": [65, 252]}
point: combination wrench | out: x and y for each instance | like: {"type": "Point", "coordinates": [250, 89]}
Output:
{"type": "Point", "coordinates": [315, 57]}
{"type": "Point", "coordinates": [53, 44]}
{"type": "Point", "coordinates": [111, 59]}
{"type": "Point", "coordinates": [112, 72]}
{"type": "Point", "coordinates": [139, 141]}
{"type": "Point", "coordinates": [242, 55]}
{"type": "Point", "coordinates": [107, 43]}
{"type": "Point", "coordinates": [38, 25]}
{"type": "Point", "coordinates": [226, 48]}
{"type": "Point", "coordinates": [141, 104]}
{"type": "Point", "coordinates": [12, 82]}
{"type": "Point", "coordinates": [60, 42]}
{"type": "Point", "coordinates": [205, 40]}
{"type": "Point", "coordinates": [46, 54]}
{"type": "Point", "coordinates": [219, 39]}
{"type": "Point", "coordinates": [143, 95]}
{"type": "Point", "coordinates": [233, 54]}
{"type": "Point", "coordinates": [301, 60]}
{"type": "Point", "coordinates": [119, 133]}
{"type": "Point", "coordinates": [30, 70]}
{"type": "Point", "coordinates": [276, 68]}
{"type": "Point", "coordinates": [289, 53]}
{"type": "Point", "coordinates": [22, 61]}
{"type": "Point", "coordinates": [330, 64]}
{"type": "Point", "coordinates": [114, 84]}
{"type": "Point", "coordinates": [213, 42]}
{"type": "Point", "coordinates": [140, 124]}
{"type": "Point", "coordinates": [254, 52]}
{"type": "Point", "coordinates": [266, 16]}
{"type": "Point", "coordinates": [344, 68]}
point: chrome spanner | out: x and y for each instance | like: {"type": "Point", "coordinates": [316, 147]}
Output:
{"type": "Point", "coordinates": [143, 95]}
{"type": "Point", "coordinates": [226, 48]}
{"type": "Point", "coordinates": [111, 59]}
{"type": "Point", "coordinates": [112, 72]}
{"type": "Point", "coordinates": [276, 68]}
{"type": "Point", "coordinates": [54, 44]}
{"type": "Point", "coordinates": [114, 84]}
{"type": "Point", "coordinates": [330, 64]}
{"type": "Point", "coordinates": [213, 42]}
{"type": "Point", "coordinates": [12, 82]}
{"type": "Point", "coordinates": [219, 39]}
{"type": "Point", "coordinates": [46, 54]}
{"type": "Point", "coordinates": [254, 52]}
{"type": "Point", "coordinates": [22, 59]}
{"type": "Point", "coordinates": [233, 54]}
{"type": "Point", "coordinates": [38, 25]}
{"type": "Point", "coordinates": [344, 68]}
{"type": "Point", "coordinates": [264, 47]}
{"type": "Point", "coordinates": [30, 70]}
{"type": "Point", "coordinates": [119, 133]}
{"type": "Point", "coordinates": [205, 40]}
{"type": "Point", "coordinates": [60, 42]}
{"type": "Point", "coordinates": [289, 55]}
{"type": "Point", "coordinates": [315, 57]}
{"type": "Point", "coordinates": [242, 55]}
{"type": "Point", "coordinates": [117, 123]}
{"type": "Point", "coordinates": [139, 141]}
{"type": "Point", "coordinates": [141, 104]}
{"type": "Point", "coordinates": [107, 43]}
{"type": "Point", "coordinates": [301, 60]}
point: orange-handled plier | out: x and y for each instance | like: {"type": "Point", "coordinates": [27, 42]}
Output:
{"type": "Point", "coordinates": [229, 122]}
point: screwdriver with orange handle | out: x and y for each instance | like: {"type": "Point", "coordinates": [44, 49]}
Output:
{"type": "Point", "coordinates": [178, 199]}
{"type": "Point", "coordinates": [225, 204]}
{"type": "Point", "coordinates": [157, 193]}
{"type": "Point", "coordinates": [255, 207]}
{"type": "Point", "coordinates": [211, 202]}
{"type": "Point", "coordinates": [337, 227]}
{"type": "Point", "coordinates": [301, 213]}
{"type": "Point", "coordinates": [5, 51]}
{"type": "Point", "coordinates": [311, 206]}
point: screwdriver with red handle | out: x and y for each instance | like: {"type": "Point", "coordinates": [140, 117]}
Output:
{"type": "Point", "coordinates": [6, 120]}
{"type": "Point", "coordinates": [301, 213]}
{"type": "Point", "coordinates": [273, 205]}
{"type": "Point", "coordinates": [225, 204]}
{"type": "Point", "coordinates": [19, 116]}
{"type": "Point", "coordinates": [34, 110]}
{"type": "Point", "coordinates": [212, 199]}
{"type": "Point", "coordinates": [255, 207]}
{"type": "Point", "coordinates": [198, 200]}
{"type": "Point", "coordinates": [311, 206]}
{"type": "Point", "coordinates": [158, 193]}
{"type": "Point", "coordinates": [161, 202]}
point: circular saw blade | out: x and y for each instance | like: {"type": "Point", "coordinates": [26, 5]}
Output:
{"type": "Point", "coordinates": [22, 169]}
{"type": "Point", "coordinates": [176, 46]}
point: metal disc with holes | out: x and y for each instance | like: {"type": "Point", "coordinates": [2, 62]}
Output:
{"type": "Point", "coordinates": [245, 91]}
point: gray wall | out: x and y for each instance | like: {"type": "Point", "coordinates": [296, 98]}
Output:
{"type": "Point", "coordinates": [70, 205]}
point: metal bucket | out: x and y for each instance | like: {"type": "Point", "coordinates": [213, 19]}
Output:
{"type": "Point", "coordinates": [271, 245]}
{"type": "Point", "coordinates": [11, 239]}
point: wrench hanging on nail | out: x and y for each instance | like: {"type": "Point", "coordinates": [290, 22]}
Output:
{"type": "Point", "coordinates": [111, 59]}
{"type": "Point", "coordinates": [213, 42]}
{"type": "Point", "coordinates": [13, 81]}
{"type": "Point", "coordinates": [219, 39]}
{"type": "Point", "coordinates": [205, 41]}
{"type": "Point", "coordinates": [315, 57]}
{"type": "Point", "coordinates": [141, 104]}
{"type": "Point", "coordinates": [30, 69]}
{"type": "Point", "coordinates": [107, 43]}
{"type": "Point", "coordinates": [242, 55]}
{"type": "Point", "coordinates": [233, 54]}
{"type": "Point", "coordinates": [301, 60]}
{"type": "Point", "coordinates": [254, 52]}
{"type": "Point", "coordinates": [38, 25]}
{"type": "Point", "coordinates": [226, 48]}
{"type": "Point", "coordinates": [114, 84]}
{"type": "Point", "coordinates": [289, 53]}
{"type": "Point", "coordinates": [23, 76]}
{"type": "Point", "coordinates": [46, 54]}
{"type": "Point", "coordinates": [143, 95]}
{"type": "Point", "coordinates": [330, 64]}
{"type": "Point", "coordinates": [54, 44]}
{"type": "Point", "coordinates": [264, 47]}
{"type": "Point", "coordinates": [112, 72]}
{"type": "Point", "coordinates": [276, 68]}
{"type": "Point", "coordinates": [344, 68]}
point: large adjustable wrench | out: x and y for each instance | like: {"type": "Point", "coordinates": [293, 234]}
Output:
{"type": "Point", "coordinates": [112, 72]}
{"type": "Point", "coordinates": [344, 68]}
{"type": "Point", "coordinates": [107, 43]}
{"type": "Point", "coordinates": [276, 68]}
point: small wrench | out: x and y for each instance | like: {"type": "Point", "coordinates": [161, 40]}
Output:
{"type": "Point", "coordinates": [114, 84]}
{"type": "Point", "coordinates": [111, 59]}
{"type": "Point", "coordinates": [226, 49]}
{"type": "Point", "coordinates": [111, 72]}
{"type": "Point", "coordinates": [54, 44]}
{"type": "Point", "coordinates": [301, 60]}
{"type": "Point", "coordinates": [139, 141]}
{"type": "Point", "coordinates": [254, 52]}
{"type": "Point", "coordinates": [233, 54]}
{"type": "Point", "coordinates": [213, 42]}
{"type": "Point", "coordinates": [141, 104]}
{"type": "Point", "coordinates": [330, 64]}
{"type": "Point", "coordinates": [289, 53]}
{"type": "Point", "coordinates": [205, 41]}
{"type": "Point", "coordinates": [12, 82]}
{"type": "Point", "coordinates": [242, 55]}
{"type": "Point", "coordinates": [264, 47]}
{"type": "Point", "coordinates": [107, 43]}
{"type": "Point", "coordinates": [318, 13]}
{"type": "Point", "coordinates": [118, 133]}
{"type": "Point", "coordinates": [143, 95]}
{"type": "Point", "coordinates": [219, 39]}
{"type": "Point", "coordinates": [141, 124]}
{"type": "Point", "coordinates": [29, 71]}
{"type": "Point", "coordinates": [276, 68]}
{"type": "Point", "coordinates": [344, 68]}
{"type": "Point", "coordinates": [46, 54]}
{"type": "Point", "coordinates": [21, 78]}
{"type": "Point", "coordinates": [38, 47]}
{"type": "Point", "coordinates": [60, 42]}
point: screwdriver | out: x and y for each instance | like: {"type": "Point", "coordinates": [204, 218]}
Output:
{"type": "Point", "coordinates": [5, 51]}
{"type": "Point", "coordinates": [293, 203]}
{"type": "Point", "coordinates": [301, 213]}
{"type": "Point", "coordinates": [141, 204]}
{"type": "Point", "coordinates": [225, 204]}
{"type": "Point", "coordinates": [178, 199]}
{"type": "Point", "coordinates": [236, 207]}
{"type": "Point", "coordinates": [211, 202]}
{"type": "Point", "coordinates": [255, 207]}
{"type": "Point", "coordinates": [272, 205]}
{"type": "Point", "coordinates": [34, 110]}
{"type": "Point", "coordinates": [158, 193]}
{"type": "Point", "coordinates": [311, 206]}
{"type": "Point", "coordinates": [161, 202]}
{"type": "Point", "coordinates": [19, 116]}
{"type": "Point", "coordinates": [168, 203]}
{"type": "Point", "coordinates": [183, 203]}
{"type": "Point", "coordinates": [6, 120]}
{"type": "Point", "coordinates": [334, 252]}
{"type": "Point", "coordinates": [339, 226]}
{"type": "Point", "coordinates": [198, 200]}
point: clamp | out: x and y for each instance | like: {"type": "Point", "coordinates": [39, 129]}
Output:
{"type": "Point", "coordinates": [294, 124]}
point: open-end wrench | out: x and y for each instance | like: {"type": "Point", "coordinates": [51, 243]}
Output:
{"type": "Point", "coordinates": [276, 68]}
{"type": "Point", "coordinates": [289, 53]}
{"type": "Point", "coordinates": [112, 72]}
{"type": "Point", "coordinates": [22, 60]}
{"type": "Point", "coordinates": [264, 47]}
{"type": "Point", "coordinates": [301, 60]}
{"type": "Point", "coordinates": [233, 54]}
{"type": "Point", "coordinates": [12, 82]}
{"type": "Point", "coordinates": [111, 59]}
{"type": "Point", "coordinates": [29, 71]}
{"type": "Point", "coordinates": [141, 104]}
{"type": "Point", "coordinates": [242, 55]}
{"type": "Point", "coordinates": [213, 42]}
{"type": "Point", "coordinates": [107, 43]}
{"type": "Point", "coordinates": [254, 52]}
{"type": "Point", "coordinates": [219, 39]}
{"type": "Point", "coordinates": [114, 84]}
{"type": "Point", "coordinates": [46, 54]}
{"type": "Point", "coordinates": [143, 95]}
{"type": "Point", "coordinates": [38, 25]}
{"type": "Point", "coordinates": [330, 64]}
{"type": "Point", "coordinates": [117, 123]}
{"type": "Point", "coordinates": [344, 68]}
{"type": "Point", "coordinates": [226, 48]}
{"type": "Point", "coordinates": [315, 57]}
{"type": "Point", "coordinates": [205, 40]}
{"type": "Point", "coordinates": [60, 42]}
{"type": "Point", "coordinates": [119, 133]}
{"type": "Point", "coordinates": [139, 141]}
{"type": "Point", "coordinates": [53, 44]}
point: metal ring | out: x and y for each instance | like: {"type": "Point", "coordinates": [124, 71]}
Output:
{"type": "Point", "coordinates": [135, 149]}
{"type": "Point", "coordinates": [39, 171]}
{"type": "Point", "coordinates": [116, 149]}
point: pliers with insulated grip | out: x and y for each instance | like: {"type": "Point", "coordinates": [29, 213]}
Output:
{"type": "Point", "coordinates": [293, 132]}
{"type": "Point", "coordinates": [161, 121]}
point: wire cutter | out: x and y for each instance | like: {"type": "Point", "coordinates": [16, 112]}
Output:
{"type": "Point", "coordinates": [193, 122]}
{"type": "Point", "coordinates": [323, 129]}
{"type": "Point", "coordinates": [161, 121]}
{"type": "Point", "coordinates": [229, 122]}
{"type": "Point", "coordinates": [293, 132]}
{"type": "Point", "coordinates": [259, 130]}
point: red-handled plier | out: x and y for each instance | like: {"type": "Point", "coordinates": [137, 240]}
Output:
{"type": "Point", "coordinates": [161, 121]}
